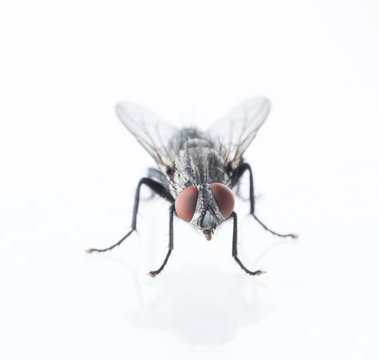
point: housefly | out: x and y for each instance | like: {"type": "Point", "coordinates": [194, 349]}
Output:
{"type": "Point", "coordinates": [197, 170]}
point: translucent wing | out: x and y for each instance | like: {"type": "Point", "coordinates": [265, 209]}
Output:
{"type": "Point", "coordinates": [237, 129]}
{"type": "Point", "coordinates": [152, 133]}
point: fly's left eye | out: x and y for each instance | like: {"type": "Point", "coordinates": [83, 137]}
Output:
{"type": "Point", "coordinates": [224, 198]}
{"type": "Point", "coordinates": [185, 203]}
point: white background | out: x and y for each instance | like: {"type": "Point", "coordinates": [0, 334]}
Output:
{"type": "Point", "coordinates": [69, 171]}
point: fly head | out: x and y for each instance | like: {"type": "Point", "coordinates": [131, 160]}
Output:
{"type": "Point", "coordinates": [205, 206]}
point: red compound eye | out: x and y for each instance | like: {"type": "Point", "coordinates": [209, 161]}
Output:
{"type": "Point", "coordinates": [224, 198]}
{"type": "Point", "coordinates": [185, 203]}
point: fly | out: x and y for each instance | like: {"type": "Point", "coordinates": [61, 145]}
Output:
{"type": "Point", "coordinates": [196, 170]}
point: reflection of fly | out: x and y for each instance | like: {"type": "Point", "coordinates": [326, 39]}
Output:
{"type": "Point", "coordinates": [196, 169]}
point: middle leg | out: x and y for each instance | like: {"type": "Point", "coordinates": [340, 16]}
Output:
{"type": "Point", "coordinates": [156, 188]}
{"type": "Point", "coordinates": [238, 174]}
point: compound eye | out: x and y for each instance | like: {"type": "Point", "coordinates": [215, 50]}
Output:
{"type": "Point", "coordinates": [185, 203]}
{"type": "Point", "coordinates": [224, 198]}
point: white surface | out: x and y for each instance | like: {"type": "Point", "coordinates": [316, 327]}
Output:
{"type": "Point", "coordinates": [69, 171]}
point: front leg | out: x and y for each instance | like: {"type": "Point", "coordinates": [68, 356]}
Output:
{"type": "Point", "coordinates": [158, 189]}
{"type": "Point", "coordinates": [237, 174]}
{"type": "Point", "coordinates": [170, 243]}
{"type": "Point", "coordinates": [235, 251]}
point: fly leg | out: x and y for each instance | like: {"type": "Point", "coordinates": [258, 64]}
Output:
{"type": "Point", "coordinates": [159, 177]}
{"type": "Point", "coordinates": [157, 188]}
{"type": "Point", "coordinates": [238, 173]}
{"type": "Point", "coordinates": [170, 243]}
{"type": "Point", "coordinates": [235, 251]}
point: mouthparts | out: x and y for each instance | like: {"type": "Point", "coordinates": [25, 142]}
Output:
{"type": "Point", "coordinates": [208, 234]}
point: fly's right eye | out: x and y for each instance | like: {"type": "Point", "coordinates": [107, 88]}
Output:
{"type": "Point", "coordinates": [185, 203]}
{"type": "Point", "coordinates": [224, 198]}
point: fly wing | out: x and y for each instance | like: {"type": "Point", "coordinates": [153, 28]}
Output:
{"type": "Point", "coordinates": [236, 130]}
{"type": "Point", "coordinates": [155, 135]}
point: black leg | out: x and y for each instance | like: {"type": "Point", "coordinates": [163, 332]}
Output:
{"type": "Point", "coordinates": [170, 243]}
{"type": "Point", "coordinates": [235, 251]}
{"type": "Point", "coordinates": [153, 185]}
{"type": "Point", "coordinates": [236, 177]}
